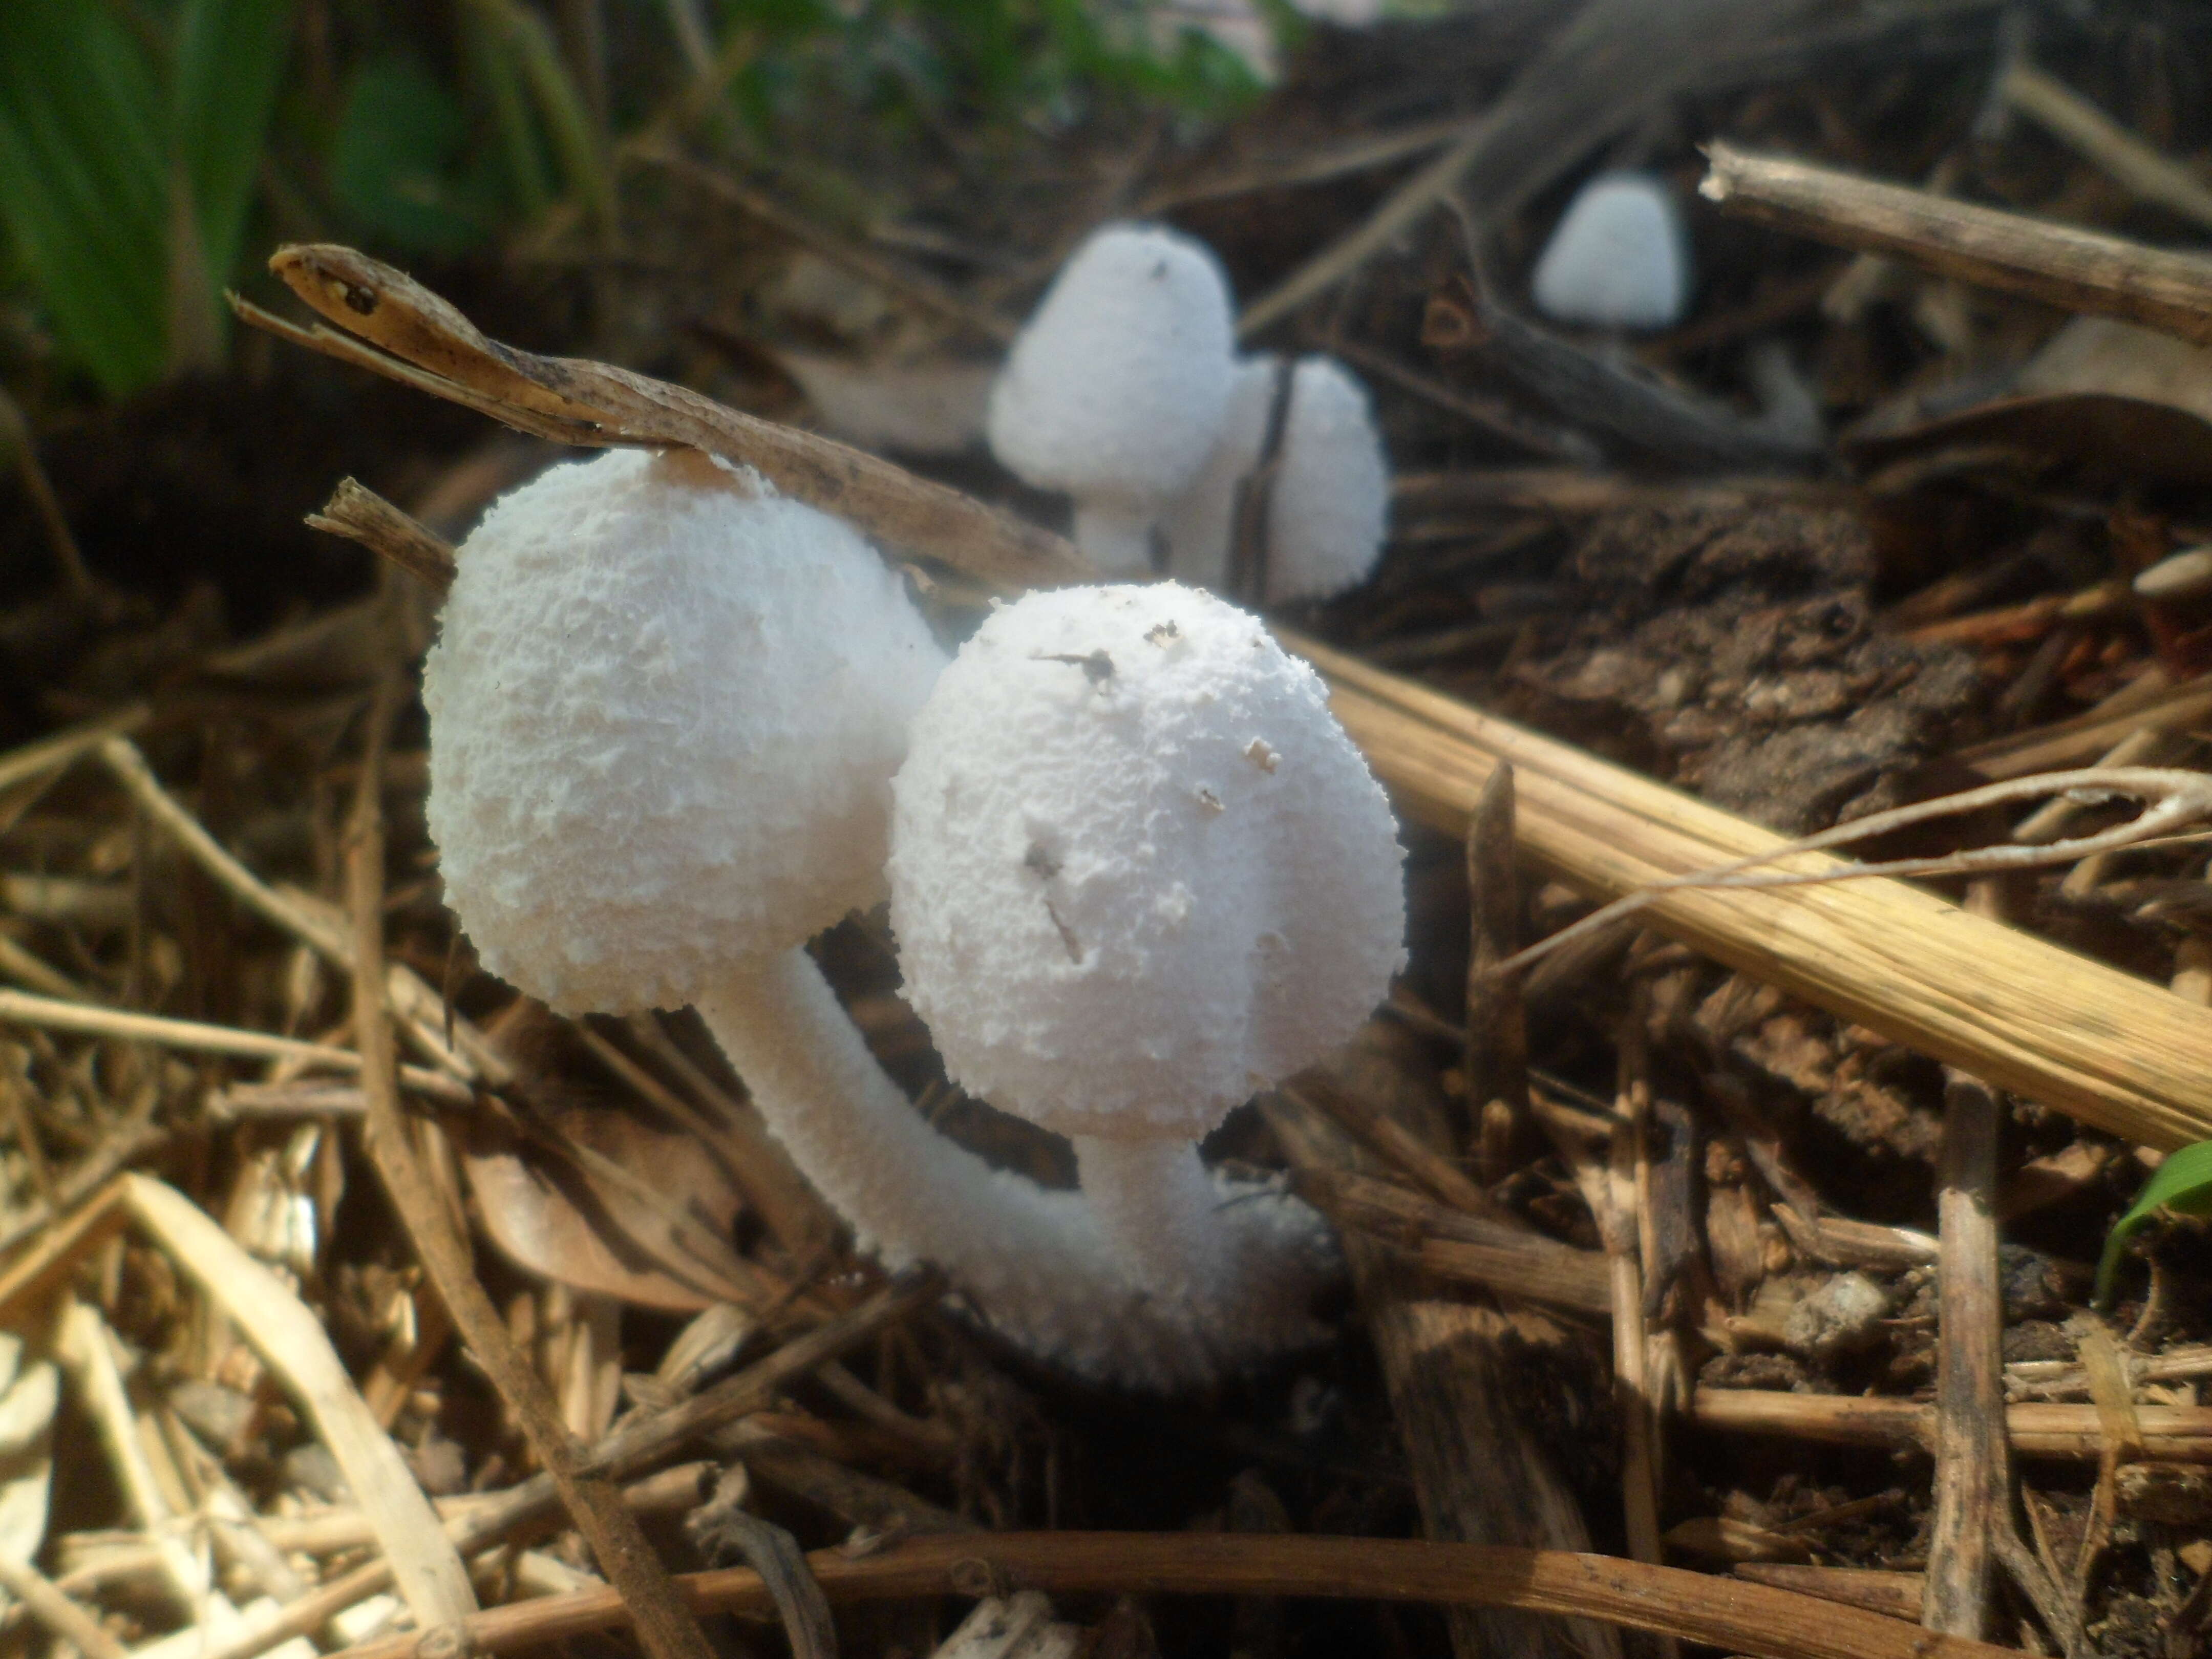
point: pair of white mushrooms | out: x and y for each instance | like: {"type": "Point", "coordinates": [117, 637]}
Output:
{"type": "Point", "coordinates": [1124, 391]}
{"type": "Point", "coordinates": [679, 724]}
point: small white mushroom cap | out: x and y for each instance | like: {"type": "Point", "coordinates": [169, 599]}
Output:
{"type": "Point", "coordinates": [1115, 389]}
{"type": "Point", "coordinates": [1331, 506]}
{"type": "Point", "coordinates": [1331, 502]}
{"type": "Point", "coordinates": [1619, 257]}
{"type": "Point", "coordinates": [666, 707]}
{"type": "Point", "coordinates": [1136, 869]}
{"type": "Point", "coordinates": [1200, 525]}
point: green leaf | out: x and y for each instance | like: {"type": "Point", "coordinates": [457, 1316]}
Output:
{"type": "Point", "coordinates": [84, 182]}
{"type": "Point", "coordinates": [2182, 1183]}
{"type": "Point", "coordinates": [226, 59]}
{"type": "Point", "coordinates": [394, 159]}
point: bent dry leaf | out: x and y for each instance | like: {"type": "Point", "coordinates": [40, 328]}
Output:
{"type": "Point", "coordinates": [2183, 1184]}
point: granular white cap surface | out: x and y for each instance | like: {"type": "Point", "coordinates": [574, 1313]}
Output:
{"type": "Point", "coordinates": [1619, 257]}
{"type": "Point", "coordinates": [664, 716]}
{"type": "Point", "coordinates": [1137, 867]}
{"type": "Point", "coordinates": [1330, 504]}
{"type": "Point", "coordinates": [1115, 387]}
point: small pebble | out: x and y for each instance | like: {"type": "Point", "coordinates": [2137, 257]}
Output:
{"type": "Point", "coordinates": [2183, 575]}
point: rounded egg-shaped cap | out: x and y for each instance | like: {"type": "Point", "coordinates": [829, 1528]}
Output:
{"type": "Point", "coordinates": [1113, 391]}
{"type": "Point", "coordinates": [665, 706]}
{"type": "Point", "coordinates": [1618, 257]}
{"type": "Point", "coordinates": [1330, 504]}
{"type": "Point", "coordinates": [1138, 870]}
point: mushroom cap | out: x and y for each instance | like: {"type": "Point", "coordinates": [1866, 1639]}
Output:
{"type": "Point", "coordinates": [1331, 506]}
{"type": "Point", "coordinates": [1114, 390]}
{"type": "Point", "coordinates": [665, 706]}
{"type": "Point", "coordinates": [1619, 257]}
{"type": "Point", "coordinates": [1138, 870]}
{"type": "Point", "coordinates": [1331, 503]}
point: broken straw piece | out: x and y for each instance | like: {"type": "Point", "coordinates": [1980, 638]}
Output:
{"type": "Point", "coordinates": [1618, 258]}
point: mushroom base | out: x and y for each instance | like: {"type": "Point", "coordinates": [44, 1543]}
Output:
{"type": "Point", "coordinates": [1035, 1265]}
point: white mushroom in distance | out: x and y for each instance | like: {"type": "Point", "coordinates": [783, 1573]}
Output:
{"type": "Point", "coordinates": [665, 708]}
{"type": "Point", "coordinates": [1115, 388]}
{"type": "Point", "coordinates": [1325, 503]}
{"type": "Point", "coordinates": [1138, 872]}
{"type": "Point", "coordinates": [1618, 257]}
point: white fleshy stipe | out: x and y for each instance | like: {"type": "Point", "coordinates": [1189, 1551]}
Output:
{"type": "Point", "coordinates": [1114, 391]}
{"type": "Point", "coordinates": [666, 707]}
{"type": "Point", "coordinates": [1618, 258]}
{"type": "Point", "coordinates": [1033, 1264]}
{"type": "Point", "coordinates": [1137, 867]}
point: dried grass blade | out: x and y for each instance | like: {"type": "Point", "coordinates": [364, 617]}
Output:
{"type": "Point", "coordinates": [425, 1565]}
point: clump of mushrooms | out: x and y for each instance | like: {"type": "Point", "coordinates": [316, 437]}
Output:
{"type": "Point", "coordinates": [666, 706]}
{"type": "Point", "coordinates": [1117, 385]}
{"type": "Point", "coordinates": [1138, 873]}
{"type": "Point", "coordinates": [1122, 392]}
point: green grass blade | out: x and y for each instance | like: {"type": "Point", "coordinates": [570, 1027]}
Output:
{"type": "Point", "coordinates": [227, 60]}
{"type": "Point", "coordinates": [84, 185]}
{"type": "Point", "coordinates": [2183, 1182]}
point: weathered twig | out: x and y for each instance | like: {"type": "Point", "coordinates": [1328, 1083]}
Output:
{"type": "Point", "coordinates": [417, 338]}
{"type": "Point", "coordinates": [2062, 265]}
{"type": "Point", "coordinates": [2180, 1434]}
{"type": "Point", "coordinates": [1732, 1615]}
{"type": "Point", "coordinates": [1973, 1483]}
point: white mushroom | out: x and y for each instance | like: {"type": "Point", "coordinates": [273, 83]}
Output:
{"type": "Point", "coordinates": [1115, 388]}
{"type": "Point", "coordinates": [1327, 502]}
{"type": "Point", "coordinates": [1138, 871]}
{"type": "Point", "coordinates": [665, 707]}
{"type": "Point", "coordinates": [1618, 258]}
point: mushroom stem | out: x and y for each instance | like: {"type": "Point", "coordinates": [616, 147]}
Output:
{"type": "Point", "coordinates": [1033, 1262]}
{"type": "Point", "coordinates": [1160, 1211]}
{"type": "Point", "coordinates": [1118, 539]}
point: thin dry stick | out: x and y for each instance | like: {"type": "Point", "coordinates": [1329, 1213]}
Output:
{"type": "Point", "coordinates": [1732, 1615]}
{"type": "Point", "coordinates": [360, 514]}
{"type": "Point", "coordinates": [665, 1626]}
{"type": "Point", "coordinates": [16, 435]}
{"type": "Point", "coordinates": [2177, 1434]}
{"type": "Point", "coordinates": [1973, 1478]}
{"type": "Point", "coordinates": [54, 1014]}
{"type": "Point", "coordinates": [1497, 1052]}
{"type": "Point", "coordinates": [570, 400]}
{"type": "Point", "coordinates": [2068, 116]}
{"type": "Point", "coordinates": [63, 1616]}
{"type": "Point", "coordinates": [2075, 269]}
